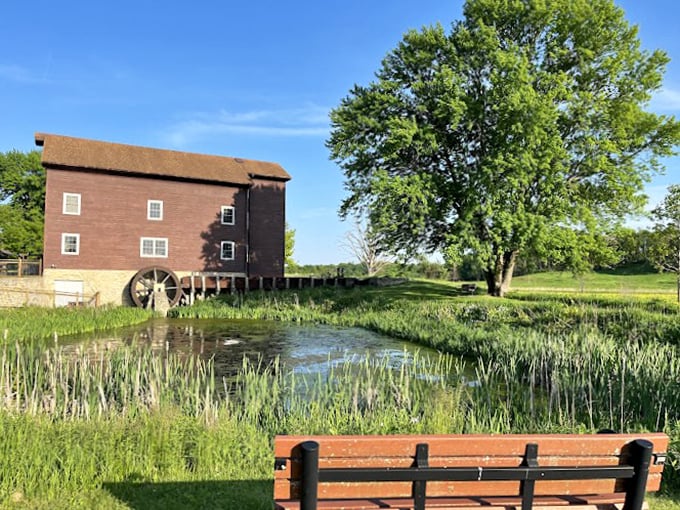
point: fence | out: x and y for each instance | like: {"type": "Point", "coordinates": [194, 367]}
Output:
{"type": "Point", "coordinates": [208, 283]}
{"type": "Point", "coordinates": [14, 297]}
{"type": "Point", "coordinates": [20, 267]}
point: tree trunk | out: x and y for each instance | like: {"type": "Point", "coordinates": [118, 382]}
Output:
{"type": "Point", "coordinates": [499, 276]}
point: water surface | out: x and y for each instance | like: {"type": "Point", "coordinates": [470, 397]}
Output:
{"type": "Point", "coordinates": [303, 348]}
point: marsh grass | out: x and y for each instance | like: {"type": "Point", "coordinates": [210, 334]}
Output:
{"type": "Point", "coordinates": [73, 424]}
{"type": "Point", "coordinates": [132, 428]}
{"type": "Point", "coordinates": [602, 362]}
{"type": "Point", "coordinates": [76, 424]}
{"type": "Point", "coordinates": [548, 362]}
{"type": "Point", "coordinates": [34, 323]}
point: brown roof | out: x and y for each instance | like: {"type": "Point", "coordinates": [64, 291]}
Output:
{"type": "Point", "coordinates": [69, 152]}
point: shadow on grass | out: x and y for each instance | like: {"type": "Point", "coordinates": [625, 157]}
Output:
{"type": "Point", "coordinates": [420, 290]}
{"type": "Point", "coordinates": [228, 494]}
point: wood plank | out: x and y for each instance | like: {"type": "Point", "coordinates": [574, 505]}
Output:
{"type": "Point", "coordinates": [604, 502]}
{"type": "Point", "coordinates": [293, 466]}
{"type": "Point", "coordinates": [284, 489]}
{"type": "Point", "coordinates": [461, 451]}
{"type": "Point", "coordinates": [468, 444]}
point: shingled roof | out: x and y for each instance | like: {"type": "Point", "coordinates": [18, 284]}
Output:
{"type": "Point", "coordinates": [68, 152]}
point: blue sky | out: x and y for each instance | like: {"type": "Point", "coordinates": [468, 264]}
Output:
{"type": "Point", "coordinates": [250, 79]}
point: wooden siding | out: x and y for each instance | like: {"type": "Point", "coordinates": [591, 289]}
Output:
{"type": "Point", "coordinates": [267, 227]}
{"type": "Point", "coordinates": [113, 219]}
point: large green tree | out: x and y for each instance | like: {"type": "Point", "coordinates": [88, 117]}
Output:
{"type": "Point", "coordinates": [526, 118]}
{"type": "Point", "coordinates": [289, 248]}
{"type": "Point", "coordinates": [664, 248]}
{"type": "Point", "coordinates": [22, 196]}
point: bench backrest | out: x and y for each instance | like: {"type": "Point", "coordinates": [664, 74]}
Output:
{"type": "Point", "coordinates": [460, 466]}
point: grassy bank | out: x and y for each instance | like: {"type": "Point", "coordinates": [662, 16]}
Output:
{"type": "Point", "coordinates": [138, 430]}
{"type": "Point", "coordinates": [34, 323]}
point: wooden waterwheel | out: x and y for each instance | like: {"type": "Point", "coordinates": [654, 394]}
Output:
{"type": "Point", "coordinates": [154, 281]}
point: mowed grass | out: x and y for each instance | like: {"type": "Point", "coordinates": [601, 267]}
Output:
{"type": "Point", "coordinates": [645, 283]}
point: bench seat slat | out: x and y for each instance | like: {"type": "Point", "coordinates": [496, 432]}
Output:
{"type": "Point", "coordinates": [288, 490]}
{"type": "Point", "coordinates": [294, 466]}
{"type": "Point", "coordinates": [600, 502]}
{"type": "Point", "coordinates": [472, 445]}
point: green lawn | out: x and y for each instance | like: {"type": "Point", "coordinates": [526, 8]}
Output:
{"type": "Point", "coordinates": [649, 283]}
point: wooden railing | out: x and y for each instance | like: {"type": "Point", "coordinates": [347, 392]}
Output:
{"type": "Point", "coordinates": [13, 297]}
{"type": "Point", "coordinates": [20, 267]}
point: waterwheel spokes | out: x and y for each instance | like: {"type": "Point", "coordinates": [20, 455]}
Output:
{"type": "Point", "coordinates": [146, 282]}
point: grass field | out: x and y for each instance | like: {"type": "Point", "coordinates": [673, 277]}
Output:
{"type": "Point", "coordinates": [646, 283]}
{"type": "Point", "coordinates": [146, 431]}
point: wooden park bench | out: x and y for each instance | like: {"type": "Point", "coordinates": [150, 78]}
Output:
{"type": "Point", "coordinates": [469, 288]}
{"type": "Point", "coordinates": [598, 471]}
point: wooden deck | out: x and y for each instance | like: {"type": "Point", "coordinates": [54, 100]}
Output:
{"type": "Point", "coordinates": [204, 283]}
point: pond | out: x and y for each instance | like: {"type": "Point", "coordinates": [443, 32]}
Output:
{"type": "Point", "coordinates": [302, 348]}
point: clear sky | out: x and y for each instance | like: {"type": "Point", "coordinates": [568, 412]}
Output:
{"type": "Point", "coordinates": [253, 79]}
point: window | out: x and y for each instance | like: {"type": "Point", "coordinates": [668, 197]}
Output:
{"type": "Point", "coordinates": [228, 215]}
{"type": "Point", "coordinates": [70, 244]}
{"type": "Point", "coordinates": [154, 210]}
{"type": "Point", "coordinates": [227, 250]}
{"type": "Point", "coordinates": [71, 204]}
{"type": "Point", "coordinates": [153, 247]}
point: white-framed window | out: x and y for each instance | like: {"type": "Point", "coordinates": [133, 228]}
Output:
{"type": "Point", "coordinates": [71, 204]}
{"type": "Point", "coordinates": [228, 215]}
{"type": "Point", "coordinates": [70, 244]}
{"type": "Point", "coordinates": [227, 250]}
{"type": "Point", "coordinates": [153, 247]}
{"type": "Point", "coordinates": [154, 210]}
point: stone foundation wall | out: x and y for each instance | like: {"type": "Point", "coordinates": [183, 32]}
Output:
{"type": "Point", "coordinates": [26, 291]}
{"type": "Point", "coordinates": [113, 286]}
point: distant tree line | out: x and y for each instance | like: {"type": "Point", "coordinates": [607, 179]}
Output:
{"type": "Point", "coordinates": [625, 250]}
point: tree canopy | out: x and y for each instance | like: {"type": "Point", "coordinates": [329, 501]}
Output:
{"type": "Point", "coordinates": [289, 248]}
{"type": "Point", "coordinates": [22, 192]}
{"type": "Point", "coordinates": [522, 123]}
{"type": "Point", "coordinates": [664, 250]}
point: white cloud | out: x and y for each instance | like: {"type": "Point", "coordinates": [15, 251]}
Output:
{"type": "Point", "coordinates": [308, 121]}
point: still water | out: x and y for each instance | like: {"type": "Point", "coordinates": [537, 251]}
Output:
{"type": "Point", "coordinates": [305, 348]}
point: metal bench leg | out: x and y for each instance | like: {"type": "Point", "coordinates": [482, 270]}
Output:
{"type": "Point", "coordinates": [310, 475]}
{"type": "Point", "coordinates": [641, 456]}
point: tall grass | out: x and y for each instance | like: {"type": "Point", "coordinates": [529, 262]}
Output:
{"type": "Point", "coordinates": [597, 362]}
{"type": "Point", "coordinates": [140, 417]}
{"type": "Point", "coordinates": [146, 429]}
{"type": "Point", "coordinates": [33, 323]}
{"type": "Point", "coordinates": [74, 424]}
